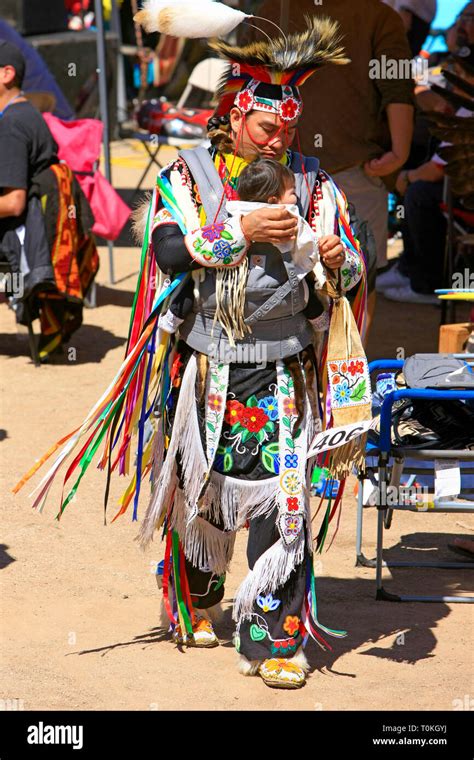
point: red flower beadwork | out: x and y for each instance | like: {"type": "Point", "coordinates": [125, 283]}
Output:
{"type": "Point", "coordinates": [291, 624]}
{"type": "Point", "coordinates": [252, 418]}
{"type": "Point", "coordinates": [355, 368]}
{"type": "Point", "coordinates": [232, 411]}
{"type": "Point", "coordinates": [215, 401]}
{"type": "Point", "coordinates": [289, 406]}
{"type": "Point", "coordinates": [289, 109]}
{"type": "Point", "coordinates": [244, 101]}
{"type": "Point", "coordinates": [292, 503]}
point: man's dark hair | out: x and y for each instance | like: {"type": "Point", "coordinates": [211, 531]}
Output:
{"type": "Point", "coordinates": [11, 55]}
{"type": "Point", "coordinates": [262, 179]}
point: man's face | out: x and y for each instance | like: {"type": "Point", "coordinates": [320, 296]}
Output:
{"type": "Point", "coordinates": [465, 26]}
{"type": "Point", "coordinates": [263, 135]}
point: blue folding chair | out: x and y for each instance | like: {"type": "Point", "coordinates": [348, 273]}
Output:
{"type": "Point", "coordinates": [386, 464]}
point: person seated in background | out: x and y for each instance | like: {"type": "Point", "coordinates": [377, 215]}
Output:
{"type": "Point", "coordinates": [359, 126]}
{"type": "Point", "coordinates": [37, 80]}
{"type": "Point", "coordinates": [419, 270]}
{"type": "Point", "coordinates": [417, 16]}
{"type": "Point", "coordinates": [44, 216]}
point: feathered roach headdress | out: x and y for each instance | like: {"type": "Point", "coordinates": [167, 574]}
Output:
{"type": "Point", "coordinates": [261, 76]}
{"type": "Point", "coordinates": [265, 75]}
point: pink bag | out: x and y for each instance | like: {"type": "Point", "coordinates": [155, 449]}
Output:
{"type": "Point", "coordinates": [79, 146]}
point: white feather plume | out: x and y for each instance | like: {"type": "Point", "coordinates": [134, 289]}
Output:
{"type": "Point", "coordinates": [189, 18]}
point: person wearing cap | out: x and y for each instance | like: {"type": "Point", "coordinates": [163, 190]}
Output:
{"type": "Point", "coordinates": [26, 144]}
{"type": "Point", "coordinates": [37, 79]}
{"type": "Point", "coordinates": [36, 191]}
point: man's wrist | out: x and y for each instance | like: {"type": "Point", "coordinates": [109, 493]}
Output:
{"type": "Point", "coordinates": [247, 238]}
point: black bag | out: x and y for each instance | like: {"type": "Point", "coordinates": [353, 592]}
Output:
{"type": "Point", "coordinates": [433, 424]}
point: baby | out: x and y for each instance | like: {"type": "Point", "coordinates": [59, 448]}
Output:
{"type": "Point", "coordinates": [266, 182]}
{"type": "Point", "coordinates": [262, 183]}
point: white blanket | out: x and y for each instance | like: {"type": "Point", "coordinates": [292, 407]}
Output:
{"type": "Point", "coordinates": [304, 250]}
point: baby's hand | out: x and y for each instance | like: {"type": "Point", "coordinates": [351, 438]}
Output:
{"type": "Point", "coordinates": [331, 251]}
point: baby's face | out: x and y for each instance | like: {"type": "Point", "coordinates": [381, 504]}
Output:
{"type": "Point", "coordinates": [288, 196]}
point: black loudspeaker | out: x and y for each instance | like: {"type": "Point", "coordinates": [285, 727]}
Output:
{"type": "Point", "coordinates": [72, 59]}
{"type": "Point", "coordinates": [35, 16]}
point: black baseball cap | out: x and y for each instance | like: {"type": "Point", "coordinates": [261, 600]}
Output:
{"type": "Point", "coordinates": [10, 55]}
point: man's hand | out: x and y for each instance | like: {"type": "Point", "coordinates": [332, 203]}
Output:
{"type": "Point", "coordinates": [386, 164]}
{"type": "Point", "coordinates": [402, 183]}
{"type": "Point", "coordinates": [269, 225]}
{"type": "Point", "coordinates": [12, 202]}
{"type": "Point", "coordinates": [331, 251]}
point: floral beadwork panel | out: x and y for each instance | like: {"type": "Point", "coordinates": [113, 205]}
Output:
{"type": "Point", "coordinates": [250, 427]}
{"type": "Point", "coordinates": [218, 244]}
{"type": "Point", "coordinates": [292, 446]}
{"type": "Point", "coordinates": [349, 382]}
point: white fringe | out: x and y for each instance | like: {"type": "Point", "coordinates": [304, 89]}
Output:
{"type": "Point", "coordinates": [236, 500]}
{"type": "Point", "coordinates": [205, 546]}
{"type": "Point", "coordinates": [299, 658]}
{"type": "Point", "coordinates": [271, 570]}
{"type": "Point", "coordinates": [158, 450]}
{"type": "Point", "coordinates": [248, 667]}
{"type": "Point", "coordinates": [167, 479]}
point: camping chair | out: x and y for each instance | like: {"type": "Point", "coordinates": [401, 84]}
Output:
{"type": "Point", "coordinates": [205, 76]}
{"type": "Point", "coordinates": [387, 464]}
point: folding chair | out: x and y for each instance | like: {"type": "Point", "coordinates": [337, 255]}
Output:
{"type": "Point", "coordinates": [388, 463]}
{"type": "Point", "coordinates": [205, 76]}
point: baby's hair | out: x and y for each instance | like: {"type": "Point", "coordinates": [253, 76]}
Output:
{"type": "Point", "coordinates": [262, 179]}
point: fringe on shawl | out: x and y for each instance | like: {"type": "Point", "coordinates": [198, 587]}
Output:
{"type": "Point", "coordinates": [205, 546]}
{"type": "Point", "coordinates": [181, 438]}
{"type": "Point", "coordinates": [230, 301]}
{"type": "Point", "coordinates": [271, 570]}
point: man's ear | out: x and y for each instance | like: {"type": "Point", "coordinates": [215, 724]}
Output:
{"type": "Point", "coordinates": [235, 118]}
{"type": "Point", "coordinates": [9, 74]}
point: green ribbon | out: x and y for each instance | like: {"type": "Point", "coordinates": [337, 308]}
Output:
{"type": "Point", "coordinates": [177, 585]}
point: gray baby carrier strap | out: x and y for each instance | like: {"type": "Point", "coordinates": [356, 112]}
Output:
{"type": "Point", "coordinates": [209, 183]}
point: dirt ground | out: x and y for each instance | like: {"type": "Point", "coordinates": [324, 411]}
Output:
{"type": "Point", "coordinates": [79, 602]}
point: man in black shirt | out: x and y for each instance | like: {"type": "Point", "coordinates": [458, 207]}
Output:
{"type": "Point", "coordinates": [49, 250]}
{"type": "Point", "coordinates": [26, 144]}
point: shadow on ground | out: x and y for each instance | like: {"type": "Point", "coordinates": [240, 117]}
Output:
{"type": "Point", "coordinates": [349, 604]}
{"type": "Point", "coordinates": [87, 346]}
